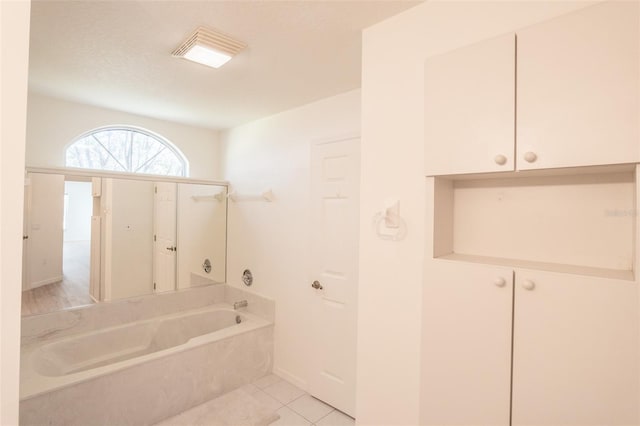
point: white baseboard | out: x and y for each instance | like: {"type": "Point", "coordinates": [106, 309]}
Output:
{"type": "Point", "coordinates": [291, 378]}
{"type": "Point", "coordinates": [45, 282]}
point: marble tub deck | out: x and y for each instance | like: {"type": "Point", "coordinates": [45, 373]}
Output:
{"type": "Point", "coordinates": [269, 400]}
{"type": "Point", "coordinates": [165, 385]}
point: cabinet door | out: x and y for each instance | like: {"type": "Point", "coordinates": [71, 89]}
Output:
{"type": "Point", "coordinates": [470, 109]}
{"type": "Point", "coordinates": [578, 89]}
{"type": "Point", "coordinates": [575, 359]}
{"type": "Point", "coordinates": [466, 364]}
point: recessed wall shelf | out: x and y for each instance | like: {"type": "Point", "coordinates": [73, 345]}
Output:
{"type": "Point", "coordinates": [578, 221]}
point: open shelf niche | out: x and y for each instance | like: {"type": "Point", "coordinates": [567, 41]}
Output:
{"type": "Point", "coordinates": [579, 221]}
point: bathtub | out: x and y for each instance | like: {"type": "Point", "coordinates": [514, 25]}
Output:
{"type": "Point", "coordinates": [168, 363]}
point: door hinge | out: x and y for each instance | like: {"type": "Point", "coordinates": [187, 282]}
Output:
{"type": "Point", "coordinates": [155, 189]}
{"type": "Point", "coordinates": [154, 286]}
{"type": "Point", "coordinates": [154, 237]}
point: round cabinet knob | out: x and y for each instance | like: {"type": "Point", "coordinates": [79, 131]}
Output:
{"type": "Point", "coordinates": [530, 157]}
{"type": "Point", "coordinates": [500, 160]}
{"type": "Point", "coordinates": [528, 285]}
{"type": "Point", "coordinates": [500, 282]}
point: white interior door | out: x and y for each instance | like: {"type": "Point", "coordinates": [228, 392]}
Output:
{"type": "Point", "coordinates": [164, 247]}
{"type": "Point", "coordinates": [25, 234]}
{"type": "Point", "coordinates": [46, 215]}
{"type": "Point", "coordinates": [335, 171]}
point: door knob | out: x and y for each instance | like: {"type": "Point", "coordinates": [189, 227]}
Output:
{"type": "Point", "coordinates": [316, 284]}
{"type": "Point", "coordinates": [530, 157]}
{"type": "Point", "coordinates": [500, 282]}
{"type": "Point", "coordinates": [500, 160]}
{"type": "Point", "coordinates": [528, 285]}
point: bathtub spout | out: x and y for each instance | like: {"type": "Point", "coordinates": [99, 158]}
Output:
{"type": "Point", "coordinates": [240, 304]}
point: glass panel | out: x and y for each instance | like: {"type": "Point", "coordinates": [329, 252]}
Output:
{"type": "Point", "coordinates": [144, 149]}
{"type": "Point", "coordinates": [88, 154]}
{"type": "Point", "coordinates": [184, 217]}
{"type": "Point", "coordinates": [125, 150]}
{"type": "Point", "coordinates": [116, 143]}
{"type": "Point", "coordinates": [165, 163]}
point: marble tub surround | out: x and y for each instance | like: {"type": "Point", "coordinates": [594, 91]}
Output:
{"type": "Point", "coordinates": [257, 305]}
{"type": "Point", "coordinates": [101, 315]}
{"type": "Point", "coordinates": [155, 385]}
{"type": "Point", "coordinates": [65, 361]}
{"type": "Point", "coordinates": [158, 388]}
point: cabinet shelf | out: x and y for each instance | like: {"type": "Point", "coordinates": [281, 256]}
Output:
{"type": "Point", "coordinates": [542, 266]}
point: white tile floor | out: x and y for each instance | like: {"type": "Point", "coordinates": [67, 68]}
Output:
{"type": "Point", "coordinates": [295, 407]}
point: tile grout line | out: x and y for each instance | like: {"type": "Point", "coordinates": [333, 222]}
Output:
{"type": "Point", "coordinates": [333, 409]}
{"type": "Point", "coordinates": [287, 405]}
{"type": "Point", "coordinates": [312, 423]}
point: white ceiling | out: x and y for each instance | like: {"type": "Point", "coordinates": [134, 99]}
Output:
{"type": "Point", "coordinates": [117, 54]}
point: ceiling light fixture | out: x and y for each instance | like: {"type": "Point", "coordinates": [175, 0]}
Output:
{"type": "Point", "coordinates": [209, 47]}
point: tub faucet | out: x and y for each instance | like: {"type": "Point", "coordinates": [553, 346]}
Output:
{"type": "Point", "coordinates": [240, 304]}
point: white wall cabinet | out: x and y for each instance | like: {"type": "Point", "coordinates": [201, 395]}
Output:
{"type": "Point", "coordinates": [577, 96]}
{"type": "Point", "coordinates": [530, 304]}
{"type": "Point", "coordinates": [574, 347]}
{"type": "Point", "coordinates": [467, 359]}
{"type": "Point", "coordinates": [578, 88]}
{"type": "Point", "coordinates": [575, 350]}
{"type": "Point", "coordinates": [470, 109]}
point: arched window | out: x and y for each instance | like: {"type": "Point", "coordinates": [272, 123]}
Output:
{"type": "Point", "coordinates": [126, 149]}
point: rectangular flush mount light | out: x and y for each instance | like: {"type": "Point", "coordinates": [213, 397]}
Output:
{"type": "Point", "coordinates": [209, 47]}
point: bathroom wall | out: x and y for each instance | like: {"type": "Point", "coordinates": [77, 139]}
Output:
{"type": "Point", "coordinates": [392, 166]}
{"type": "Point", "coordinates": [53, 123]}
{"type": "Point", "coordinates": [14, 57]}
{"type": "Point", "coordinates": [272, 239]}
{"type": "Point", "coordinates": [201, 234]}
